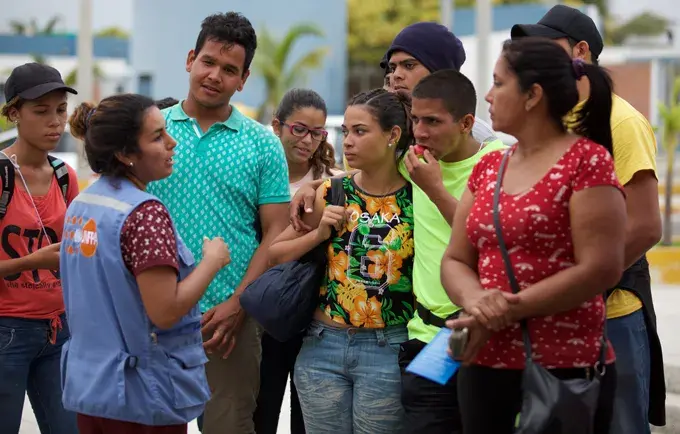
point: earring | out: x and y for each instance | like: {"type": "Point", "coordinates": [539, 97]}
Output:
{"type": "Point", "coordinates": [131, 164]}
{"type": "Point", "coordinates": [16, 122]}
{"type": "Point", "coordinates": [390, 144]}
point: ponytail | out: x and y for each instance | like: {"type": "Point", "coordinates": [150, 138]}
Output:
{"type": "Point", "coordinates": [593, 120]}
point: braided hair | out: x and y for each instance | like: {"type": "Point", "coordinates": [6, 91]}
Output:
{"type": "Point", "coordinates": [390, 109]}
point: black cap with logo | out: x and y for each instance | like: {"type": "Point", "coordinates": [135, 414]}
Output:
{"type": "Point", "coordinates": [33, 80]}
{"type": "Point", "coordinates": [563, 22]}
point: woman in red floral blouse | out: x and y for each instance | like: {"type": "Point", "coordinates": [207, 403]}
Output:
{"type": "Point", "coordinates": [562, 216]}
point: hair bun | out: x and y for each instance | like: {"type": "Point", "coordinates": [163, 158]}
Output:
{"type": "Point", "coordinates": [80, 119]}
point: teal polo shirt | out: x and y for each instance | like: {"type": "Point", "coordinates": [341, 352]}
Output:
{"type": "Point", "coordinates": [219, 180]}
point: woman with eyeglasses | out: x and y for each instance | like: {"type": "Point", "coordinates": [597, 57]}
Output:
{"type": "Point", "coordinates": [299, 122]}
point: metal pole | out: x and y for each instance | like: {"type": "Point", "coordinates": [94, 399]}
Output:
{"type": "Point", "coordinates": [483, 26]}
{"type": "Point", "coordinates": [85, 79]}
{"type": "Point", "coordinates": [446, 13]}
{"type": "Point", "coordinates": [85, 82]}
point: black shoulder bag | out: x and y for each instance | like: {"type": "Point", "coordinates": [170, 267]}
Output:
{"type": "Point", "coordinates": [549, 405]}
{"type": "Point", "coordinates": [283, 299]}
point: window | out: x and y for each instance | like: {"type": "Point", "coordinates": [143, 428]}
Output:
{"type": "Point", "coordinates": [144, 86]}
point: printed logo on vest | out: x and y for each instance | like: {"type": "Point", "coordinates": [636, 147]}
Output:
{"type": "Point", "coordinates": [83, 238]}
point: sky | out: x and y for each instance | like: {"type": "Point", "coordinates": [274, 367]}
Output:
{"type": "Point", "coordinates": [119, 12]}
{"type": "Point", "coordinates": [104, 13]}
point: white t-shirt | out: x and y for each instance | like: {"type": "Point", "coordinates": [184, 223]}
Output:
{"type": "Point", "coordinates": [482, 131]}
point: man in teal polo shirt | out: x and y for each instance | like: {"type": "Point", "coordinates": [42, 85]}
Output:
{"type": "Point", "coordinates": [230, 178]}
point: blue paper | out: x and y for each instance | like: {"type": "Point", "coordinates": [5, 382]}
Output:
{"type": "Point", "coordinates": [433, 362]}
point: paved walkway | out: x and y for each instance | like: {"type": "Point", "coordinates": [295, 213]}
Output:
{"type": "Point", "coordinates": [666, 302]}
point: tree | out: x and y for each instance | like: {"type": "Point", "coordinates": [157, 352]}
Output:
{"type": "Point", "coordinates": [113, 32]}
{"type": "Point", "coordinates": [31, 27]}
{"type": "Point", "coordinates": [5, 123]}
{"type": "Point", "coordinates": [72, 77]}
{"type": "Point", "coordinates": [670, 115]}
{"type": "Point", "coordinates": [374, 24]}
{"type": "Point", "coordinates": [272, 64]}
{"type": "Point", "coordinates": [644, 24]}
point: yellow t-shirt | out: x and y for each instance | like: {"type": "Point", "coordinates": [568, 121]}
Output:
{"type": "Point", "coordinates": [634, 151]}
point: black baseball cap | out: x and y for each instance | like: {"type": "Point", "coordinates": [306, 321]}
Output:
{"type": "Point", "coordinates": [33, 80]}
{"type": "Point", "coordinates": [563, 22]}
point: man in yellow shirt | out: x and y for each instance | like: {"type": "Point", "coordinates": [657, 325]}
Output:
{"type": "Point", "coordinates": [640, 394]}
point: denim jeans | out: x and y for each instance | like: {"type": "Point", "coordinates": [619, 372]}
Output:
{"type": "Point", "coordinates": [349, 381]}
{"type": "Point", "coordinates": [628, 335]}
{"type": "Point", "coordinates": [29, 363]}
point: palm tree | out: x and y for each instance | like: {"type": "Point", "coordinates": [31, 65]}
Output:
{"type": "Point", "coordinates": [670, 114]}
{"type": "Point", "coordinates": [31, 28]}
{"type": "Point", "coordinates": [271, 63]}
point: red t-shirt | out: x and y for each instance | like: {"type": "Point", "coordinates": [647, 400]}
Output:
{"type": "Point", "coordinates": [537, 233]}
{"type": "Point", "coordinates": [33, 294]}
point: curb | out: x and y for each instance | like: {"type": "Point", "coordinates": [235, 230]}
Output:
{"type": "Point", "coordinates": [664, 264]}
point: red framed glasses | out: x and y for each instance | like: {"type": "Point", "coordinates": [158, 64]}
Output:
{"type": "Point", "coordinates": [301, 131]}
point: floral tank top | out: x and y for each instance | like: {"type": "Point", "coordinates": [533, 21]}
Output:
{"type": "Point", "coordinates": [370, 261]}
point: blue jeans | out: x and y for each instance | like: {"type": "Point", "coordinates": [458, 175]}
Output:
{"type": "Point", "coordinates": [29, 363]}
{"type": "Point", "coordinates": [349, 381]}
{"type": "Point", "coordinates": [628, 335]}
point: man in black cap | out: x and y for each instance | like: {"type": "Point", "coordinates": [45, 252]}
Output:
{"type": "Point", "coordinates": [641, 393]}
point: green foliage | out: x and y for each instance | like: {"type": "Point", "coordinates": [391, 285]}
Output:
{"type": "Point", "coordinates": [273, 63]}
{"type": "Point", "coordinates": [645, 24]}
{"type": "Point", "coordinates": [113, 32]}
{"type": "Point", "coordinates": [670, 115]}
{"type": "Point", "coordinates": [373, 24]}
{"type": "Point", "coordinates": [32, 28]}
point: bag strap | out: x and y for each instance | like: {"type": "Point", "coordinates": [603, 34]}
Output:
{"type": "Point", "coordinates": [7, 176]}
{"type": "Point", "coordinates": [509, 270]}
{"type": "Point", "coordinates": [338, 191]}
{"type": "Point", "coordinates": [61, 173]}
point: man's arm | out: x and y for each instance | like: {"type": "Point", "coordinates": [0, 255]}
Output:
{"type": "Point", "coordinates": [635, 160]}
{"type": "Point", "coordinates": [643, 228]}
{"type": "Point", "coordinates": [427, 176]}
{"type": "Point", "coordinates": [446, 204]}
{"type": "Point", "coordinates": [274, 219]}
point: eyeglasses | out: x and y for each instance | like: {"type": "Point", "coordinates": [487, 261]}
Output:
{"type": "Point", "coordinates": [301, 131]}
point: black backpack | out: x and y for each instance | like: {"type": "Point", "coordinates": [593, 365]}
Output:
{"type": "Point", "coordinates": [283, 299]}
{"type": "Point", "coordinates": [7, 176]}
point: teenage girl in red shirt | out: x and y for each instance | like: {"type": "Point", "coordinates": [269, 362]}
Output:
{"type": "Point", "coordinates": [32, 323]}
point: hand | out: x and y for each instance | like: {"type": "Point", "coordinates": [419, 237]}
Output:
{"type": "Point", "coordinates": [478, 336]}
{"type": "Point", "coordinates": [46, 258]}
{"type": "Point", "coordinates": [491, 308]}
{"type": "Point", "coordinates": [216, 250]}
{"type": "Point", "coordinates": [303, 200]}
{"type": "Point", "coordinates": [427, 175]}
{"type": "Point", "coordinates": [223, 322]}
{"type": "Point", "coordinates": [333, 217]}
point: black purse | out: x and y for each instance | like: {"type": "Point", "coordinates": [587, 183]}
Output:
{"type": "Point", "coordinates": [549, 405]}
{"type": "Point", "coordinates": [283, 299]}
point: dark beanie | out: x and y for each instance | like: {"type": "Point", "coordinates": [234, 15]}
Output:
{"type": "Point", "coordinates": [431, 44]}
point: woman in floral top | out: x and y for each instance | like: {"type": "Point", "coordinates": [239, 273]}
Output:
{"type": "Point", "coordinates": [347, 373]}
